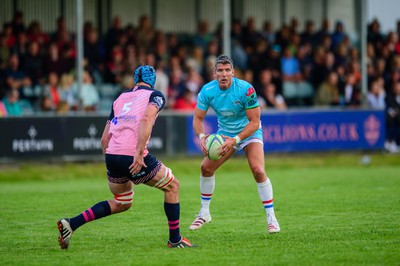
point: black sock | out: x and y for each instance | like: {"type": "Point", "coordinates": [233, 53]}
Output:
{"type": "Point", "coordinates": [100, 210]}
{"type": "Point", "coordinates": [172, 211]}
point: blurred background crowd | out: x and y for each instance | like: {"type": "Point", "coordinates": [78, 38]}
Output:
{"type": "Point", "coordinates": [289, 68]}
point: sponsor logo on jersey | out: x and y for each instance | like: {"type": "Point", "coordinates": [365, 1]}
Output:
{"type": "Point", "coordinates": [250, 91]}
{"type": "Point", "coordinates": [159, 100]}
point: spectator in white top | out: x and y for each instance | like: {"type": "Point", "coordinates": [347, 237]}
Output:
{"type": "Point", "coordinates": [376, 94]}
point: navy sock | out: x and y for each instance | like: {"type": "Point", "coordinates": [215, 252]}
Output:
{"type": "Point", "coordinates": [172, 211]}
{"type": "Point", "coordinates": [100, 210]}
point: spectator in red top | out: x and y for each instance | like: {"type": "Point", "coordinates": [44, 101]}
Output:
{"type": "Point", "coordinates": [35, 33]}
{"type": "Point", "coordinates": [51, 91]}
{"type": "Point", "coordinates": [186, 102]}
{"type": "Point", "coordinates": [8, 35]}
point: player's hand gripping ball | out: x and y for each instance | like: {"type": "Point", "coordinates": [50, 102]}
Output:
{"type": "Point", "coordinates": [213, 142]}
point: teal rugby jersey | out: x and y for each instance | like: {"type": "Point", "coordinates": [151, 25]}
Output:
{"type": "Point", "coordinates": [230, 105]}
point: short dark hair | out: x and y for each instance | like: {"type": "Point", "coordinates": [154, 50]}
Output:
{"type": "Point", "coordinates": [223, 59]}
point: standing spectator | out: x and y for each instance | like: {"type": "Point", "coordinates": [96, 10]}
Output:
{"type": "Point", "coordinates": [17, 23]}
{"type": "Point", "coordinates": [21, 45]}
{"type": "Point", "coordinates": [250, 35]}
{"type": "Point", "coordinates": [268, 32]}
{"type": "Point", "coordinates": [323, 31]}
{"type": "Point", "coordinates": [93, 52]}
{"type": "Point", "coordinates": [32, 63]}
{"type": "Point", "coordinates": [338, 35]}
{"type": "Point", "coordinates": [111, 37]}
{"type": "Point", "coordinates": [375, 36]}
{"type": "Point", "coordinates": [393, 119]}
{"type": "Point", "coordinates": [145, 33]}
{"type": "Point", "coordinates": [35, 33]}
{"type": "Point", "coordinates": [308, 35]}
{"type": "Point", "coordinates": [53, 62]}
{"type": "Point", "coordinates": [202, 36]}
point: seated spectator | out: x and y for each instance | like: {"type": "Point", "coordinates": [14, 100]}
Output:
{"type": "Point", "coordinates": [270, 99]}
{"type": "Point", "coordinates": [45, 104]}
{"type": "Point", "coordinates": [67, 92]}
{"type": "Point", "coordinates": [115, 67]}
{"type": "Point", "coordinates": [186, 102]}
{"type": "Point", "coordinates": [328, 91]}
{"type": "Point", "coordinates": [11, 103]}
{"type": "Point", "coordinates": [88, 95]}
{"type": "Point", "coordinates": [295, 90]}
{"type": "Point", "coordinates": [393, 119]}
{"type": "Point", "coordinates": [51, 91]}
{"type": "Point", "coordinates": [176, 87]}
{"type": "Point", "coordinates": [162, 80]}
{"type": "Point", "coordinates": [376, 94]}
{"type": "Point", "coordinates": [4, 51]}
{"type": "Point", "coordinates": [3, 110]}
{"type": "Point", "coordinates": [350, 92]}
{"type": "Point", "coordinates": [16, 79]}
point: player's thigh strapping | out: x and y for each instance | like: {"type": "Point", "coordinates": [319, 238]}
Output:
{"type": "Point", "coordinates": [118, 173]}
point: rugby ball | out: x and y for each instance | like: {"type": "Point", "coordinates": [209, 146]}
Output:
{"type": "Point", "coordinates": [213, 142]}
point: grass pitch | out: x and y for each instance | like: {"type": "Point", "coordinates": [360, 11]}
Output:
{"type": "Point", "coordinates": [332, 211]}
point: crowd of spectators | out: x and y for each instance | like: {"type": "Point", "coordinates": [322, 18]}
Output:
{"type": "Point", "coordinates": [316, 66]}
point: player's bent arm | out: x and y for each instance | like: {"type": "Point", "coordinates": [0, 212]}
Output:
{"type": "Point", "coordinates": [198, 119]}
{"type": "Point", "coordinates": [253, 115]}
{"type": "Point", "coordinates": [254, 122]}
{"type": "Point", "coordinates": [145, 128]}
{"type": "Point", "coordinates": [105, 138]}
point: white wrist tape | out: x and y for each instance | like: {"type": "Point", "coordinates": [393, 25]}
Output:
{"type": "Point", "coordinates": [201, 135]}
{"type": "Point", "coordinates": [237, 139]}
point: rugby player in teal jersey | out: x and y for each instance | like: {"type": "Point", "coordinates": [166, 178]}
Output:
{"type": "Point", "coordinates": [235, 104]}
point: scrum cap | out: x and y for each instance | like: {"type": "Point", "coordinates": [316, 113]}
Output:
{"type": "Point", "coordinates": [146, 74]}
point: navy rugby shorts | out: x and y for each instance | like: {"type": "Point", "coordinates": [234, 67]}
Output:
{"type": "Point", "coordinates": [118, 169]}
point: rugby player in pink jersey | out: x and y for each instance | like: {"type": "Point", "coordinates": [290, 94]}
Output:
{"type": "Point", "coordinates": [124, 143]}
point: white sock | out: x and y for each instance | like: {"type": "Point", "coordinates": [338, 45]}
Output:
{"type": "Point", "coordinates": [266, 196]}
{"type": "Point", "coordinates": [207, 185]}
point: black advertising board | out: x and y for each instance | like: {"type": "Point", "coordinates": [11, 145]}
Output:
{"type": "Point", "coordinates": [31, 138]}
{"type": "Point", "coordinates": [42, 137]}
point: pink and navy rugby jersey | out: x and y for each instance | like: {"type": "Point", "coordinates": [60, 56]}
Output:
{"type": "Point", "coordinates": [125, 116]}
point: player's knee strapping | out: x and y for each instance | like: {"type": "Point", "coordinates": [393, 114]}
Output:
{"type": "Point", "coordinates": [124, 198]}
{"type": "Point", "coordinates": [166, 179]}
